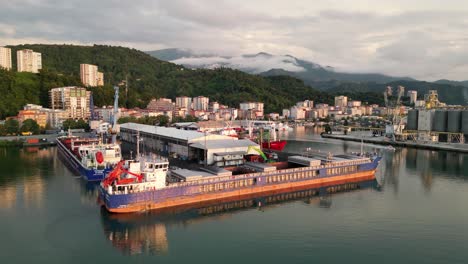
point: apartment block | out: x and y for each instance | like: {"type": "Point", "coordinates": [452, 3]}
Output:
{"type": "Point", "coordinates": [5, 58]}
{"type": "Point", "coordinates": [75, 101]}
{"type": "Point", "coordinates": [29, 61]}
{"type": "Point", "coordinates": [90, 76]}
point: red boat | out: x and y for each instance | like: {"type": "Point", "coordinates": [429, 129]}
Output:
{"type": "Point", "coordinates": [274, 145]}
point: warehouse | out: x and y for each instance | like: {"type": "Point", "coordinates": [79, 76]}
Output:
{"type": "Point", "coordinates": [192, 145]}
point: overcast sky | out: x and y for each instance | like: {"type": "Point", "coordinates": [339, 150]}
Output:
{"type": "Point", "coordinates": [424, 39]}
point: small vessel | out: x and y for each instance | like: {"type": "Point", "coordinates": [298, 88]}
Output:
{"type": "Point", "coordinates": [88, 156]}
{"type": "Point", "coordinates": [272, 143]}
{"type": "Point", "coordinates": [148, 184]}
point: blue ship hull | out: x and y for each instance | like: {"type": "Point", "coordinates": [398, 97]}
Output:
{"type": "Point", "coordinates": [87, 173]}
{"type": "Point", "coordinates": [122, 201]}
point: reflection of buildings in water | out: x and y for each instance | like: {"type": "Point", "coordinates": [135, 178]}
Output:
{"type": "Point", "coordinates": [390, 167]}
{"type": "Point", "coordinates": [148, 239]}
{"type": "Point", "coordinates": [146, 233]}
{"type": "Point", "coordinates": [427, 164]}
{"type": "Point", "coordinates": [33, 191]}
{"type": "Point", "coordinates": [7, 196]}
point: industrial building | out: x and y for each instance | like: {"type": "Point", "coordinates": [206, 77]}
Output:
{"type": "Point", "coordinates": [210, 149]}
{"type": "Point", "coordinates": [451, 124]}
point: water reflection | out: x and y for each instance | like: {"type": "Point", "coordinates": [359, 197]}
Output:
{"type": "Point", "coordinates": [24, 175]}
{"type": "Point", "coordinates": [146, 233]}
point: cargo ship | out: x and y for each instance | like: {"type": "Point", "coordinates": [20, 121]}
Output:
{"type": "Point", "coordinates": [148, 184]}
{"type": "Point", "coordinates": [88, 156]}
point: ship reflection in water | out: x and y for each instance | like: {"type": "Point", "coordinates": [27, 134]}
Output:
{"type": "Point", "coordinates": [145, 233]}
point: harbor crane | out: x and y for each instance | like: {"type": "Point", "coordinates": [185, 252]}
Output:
{"type": "Point", "coordinates": [115, 115]}
{"type": "Point", "coordinates": [393, 110]}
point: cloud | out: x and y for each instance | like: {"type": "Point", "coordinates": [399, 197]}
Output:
{"type": "Point", "coordinates": [412, 38]}
{"type": "Point", "coordinates": [255, 64]}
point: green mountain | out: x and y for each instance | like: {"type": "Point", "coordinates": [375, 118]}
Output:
{"type": "Point", "coordinates": [147, 77]}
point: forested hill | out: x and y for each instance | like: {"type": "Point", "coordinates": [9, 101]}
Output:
{"type": "Point", "coordinates": [148, 77]}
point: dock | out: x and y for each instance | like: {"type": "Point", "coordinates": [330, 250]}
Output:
{"type": "Point", "coordinates": [455, 147]}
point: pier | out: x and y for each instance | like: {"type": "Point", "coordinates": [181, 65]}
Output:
{"type": "Point", "coordinates": [456, 147]}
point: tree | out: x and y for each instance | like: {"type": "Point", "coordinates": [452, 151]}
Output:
{"type": "Point", "coordinates": [75, 124]}
{"type": "Point", "coordinates": [30, 125]}
{"type": "Point", "coordinates": [11, 126]}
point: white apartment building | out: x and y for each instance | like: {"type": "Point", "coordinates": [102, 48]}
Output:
{"type": "Point", "coordinates": [29, 61]}
{"type": "Point", "coordinates": [413, 95]}
{"type": "Point", "coordinates": [184, 102]}
{"type": "Point", "coordinates": [5, 58]}
{"type": "Point", "coordinates": [90, 76]}
{"type": "Point", "coordinates": [341, 101]}
{"type": "Point", "coordinates": [201, 103]}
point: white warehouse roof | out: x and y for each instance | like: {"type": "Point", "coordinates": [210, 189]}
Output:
{"type": "Point", "coordinates": [171, 132]}
{"type": "Point", "coordinates": [224, 144]}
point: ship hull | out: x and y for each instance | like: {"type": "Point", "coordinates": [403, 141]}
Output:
{"type": "Point", "coordinates": [86, 173]}
{"type": "Point", "coordinates": [274, 145]}
{"type": "Point", "coordinates": [190, 195]}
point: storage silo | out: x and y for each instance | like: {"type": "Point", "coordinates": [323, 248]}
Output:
{"type": "Point", "coordinates": [454, 121]}
{"type": "Point", "coordinates": [412, 120]}
{"type": "Point", "coordinates": [464, 122]}
{"type": "Point", "coordinates": [425, 119]}
{"type": "Point", "coordinates": [439, 123]}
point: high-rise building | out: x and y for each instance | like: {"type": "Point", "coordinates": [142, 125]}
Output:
{"type": "Point", "coordinates": [5, 58]}
{"type": "Point", "coordinates": [90, 76]}
{"type": "Point", "coordinates": [413, 95]}
{"type": "Point", "coordinates": [29, 61]}
{"type": "Point", "coordinates": [184, 102]}
{"type": "Point", "coordinates": [341, 101]}
{"type": "Point", "coordinates": [74, 100]}
{"type": "Point", "coordinates": [201, 103]}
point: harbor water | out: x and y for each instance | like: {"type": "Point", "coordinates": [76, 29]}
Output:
{"type": "Point", "coordinates": [415, 212]}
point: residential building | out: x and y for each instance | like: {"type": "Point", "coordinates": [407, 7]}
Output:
{"type": "Point", "coordinates": [214, 107]}
{"type": "Point", "coordinates": [354, 104]}
{"type": "Point", "coordinates": [35, 114]}
{"type": "Point", "coordinates": [29, 61]}
{"type": "Point", "coordinates": [184, 102]}
{"type": "Point", "coordinates": [74, 100]}
{"type": "Point", "coordinates": [43, 116]}
{"type": "Point", "coordinates": [100, 79]}
{"type": "Point", "coordinates": [5, 58]}
{"type": "Point", "coordinates": [161, 104]}
{"type": "Point", "coordinates": [341, 101]}
{"type": "Point", "coordinates": [90, 76]}
{"type": "Point", "coordinates": [413, 96]}
{"type": "Point", "coordinates": [201, 103]}
{"type": "Point", "coordinates": [297, 113]}
{"type": "Point", "coordinates": [251, 110]}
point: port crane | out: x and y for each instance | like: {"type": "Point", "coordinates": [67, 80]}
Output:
{"type": "Point", "coordinates": [393, 110]}
{"type": "Point", "coordinates": [115, 114]}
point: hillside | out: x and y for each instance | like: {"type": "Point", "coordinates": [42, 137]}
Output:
{"type": "Point", "coordinates": [148, 78]}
